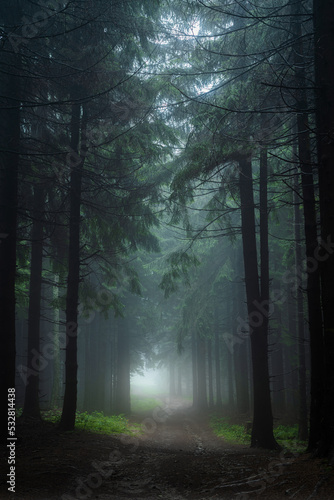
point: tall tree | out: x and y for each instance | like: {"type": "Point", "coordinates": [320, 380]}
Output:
{"type": "Point", "coordinates": [31, 400]}
{"type": "Point", "coordinates": [10, 96]}
{"type": "Point", "coordinates": [300, 65]}
{"type": "Point", "coordinates": [323, 15]}
{"type": "Point", "coordinates": [257, 305]}
{"type": "Point", "coordinates": [78, 147]}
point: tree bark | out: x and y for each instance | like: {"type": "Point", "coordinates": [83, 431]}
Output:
{"type": "Point", "coordinates": [72, 298]}
{"type": "Point", "coordinates": [122, 392]}
{"type": "Point", "coordinates": [172, 387]}
{"type": "Point", "coordinates": [194, 369]}
{"type": "Point", "coordinates": [262, 430]}
{"type": "Point", "coordinates": [31, 401]}
{"type": "Point", "coordinates": [323, 15]}
{"type": "Point", "coordinates": [9, 161]}
{"type": "Point", "coordinates": [240, 351]}
{"type": "Point", "coordinates": [179, 381]}
{"type": "Point", "coordinates": [311, 236]}
{"type": "Point", "coordinates": [219, 402]}
{"type": "Point", "coordinates": [202, 403]}
{"type": "Point", "coordinates": [56, 385]}
{"type": "Point", "coordinates": [302, 397]}
{"type": "Point", "coordinates": [210, 376]}
{"type": "Point", "coordinates": [230, 377]}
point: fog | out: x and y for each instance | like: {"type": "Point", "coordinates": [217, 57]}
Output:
{"type": "Point", "coordinates": [149, 382]}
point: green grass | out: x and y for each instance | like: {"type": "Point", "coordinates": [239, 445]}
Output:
{"type": "Point", "coordinates": [94, 422]}
{"type": "Point", "coordinates": [286, 436]}
{"type": "Point", "coordinates": [140, 403]}
{"type": "Point", "coordinates": [230, 432]}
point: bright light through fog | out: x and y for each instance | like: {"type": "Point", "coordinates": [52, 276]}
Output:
{"type": "Point", "coordinates": [152, 382]}
{"type": "Point", "coordinates": [147, 379]}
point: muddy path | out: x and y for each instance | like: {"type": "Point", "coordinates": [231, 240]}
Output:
{"type": "Point", "coordinates": [177, 457]}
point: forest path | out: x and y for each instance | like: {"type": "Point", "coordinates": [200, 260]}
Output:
{"type": "Point", "coordinates": [177, 457]}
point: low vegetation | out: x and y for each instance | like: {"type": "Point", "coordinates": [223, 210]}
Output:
{"type": "Point", "coordinates": [285, 435]}
{"type": "Point", "coordinates": [141, 404]}
{"type": "Point", "coordinates": [94, 422]}
{"type": "Point", "coordinates": [230, 432]}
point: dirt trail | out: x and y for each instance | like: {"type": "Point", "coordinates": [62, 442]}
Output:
{"type": "Point", "coordinates": [177, 457]}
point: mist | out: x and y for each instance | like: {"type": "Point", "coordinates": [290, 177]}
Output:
{"type": "Point", "coordinates": [149, 382]}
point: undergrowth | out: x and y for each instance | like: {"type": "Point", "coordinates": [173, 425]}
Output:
{"type": "Point", "coordinates": [286, 436]}
{"type": "Point", "coordinates": [230, 432]}
{"type": "Point", "coordinates": [94, 422]}
{"type": "Point", "coordinates": [139, 403]}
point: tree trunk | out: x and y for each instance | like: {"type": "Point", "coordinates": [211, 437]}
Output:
{"type": "Point", "coordinates": [219, 402]}
{"type": "Point", "coordinates": [122, 393]}
{"type": "Point", "coordinates": [302, 419]}
{"type": "Point", "coordinates": [56, 391]}
{"type": "Point", "coordinates": [172, 387]}
{"type": "Point", "coordinates": [89, 362]}
{"type": "Point", "coordinates": [31, 400]}
{"type": "Point", "coordinates": [179, 381]}
{"type": "Point", "coordinates": [241, 377]}
{"type": "Point", "coordinates": [262, 431]}
{"type": "Point", "coordinates": [290, 351]}
{"type": "Point", "coordinates": [277, 363]}
{"type": "Point", "coordinates": [310, 228]}
{"type": "Point", "coordinates": [240, 350]}
{"type": "Point", "coordinates": [202, 403]}
{"type": "Point", "coordinates": [323, 14]}
{"type": "Point", "coordinates": [194, 369]}
{"type": "Point", "coordinates": [210, 377]}
{"type": "Point", "coordinates": [72, 298]}
{"type": "Point", "coordinates": [9, 162]}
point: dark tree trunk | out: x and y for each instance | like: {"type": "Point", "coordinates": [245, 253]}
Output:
{"type": "Point", "coordinates": [31, 401]}
{"type": "Point", "coordinates": [89, 358]}
{"type": "Point", "coordinates": [179, 381]}
{"type": "Point", "coordinates": [291, 368]}
{"type": "Point", "coordinates": [9, 161]}
{"type": "Point", "coordinates": [310, 228]}
{"type": "Point", "coordinates": [278, 369]}
{"type": "Point", "coordinates": [219, 402]}
{"type": "Point", "coordinates": [194, 369]}
{"type": "Point", "coordinates": [324, 83]}
{"type": "Point", "coordinates": [202, 403]}
{"type": "Point", "coordinates": [230, 377]}
{"type": "Point", "coordinates": [210, 376]}
{"type": "Point", "coordinates": [240, 349]}
{"type": "Point", "coordinates": [241, 377]}
{"type": "Point", "coordinates": [122, 391]}
{"type": "Point", "coordinates": [113, 364]}
{"type": "Point", "coordinates": [172, 388]}
{"type": "Point", "coordinates": [56, 386]}
{"type": "Point", "coordinates": [278, 383]}
{"type": "Point", "coordinates": [100, 362]}
{"type": "Point", "coordinates": [262, 431]}
{"type": "Point", "coordinates": [302, 420]}
{"type": "Point", "coordinates": [108, 372]}
{"type": "Point", "coordinates": [72, 298]}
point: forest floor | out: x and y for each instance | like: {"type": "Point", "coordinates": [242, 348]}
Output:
{"type": "Point", "coordinates": [177, 457]}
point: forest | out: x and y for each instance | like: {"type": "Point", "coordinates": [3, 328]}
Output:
{"type": "Point", "coordinates": [166, 226]}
